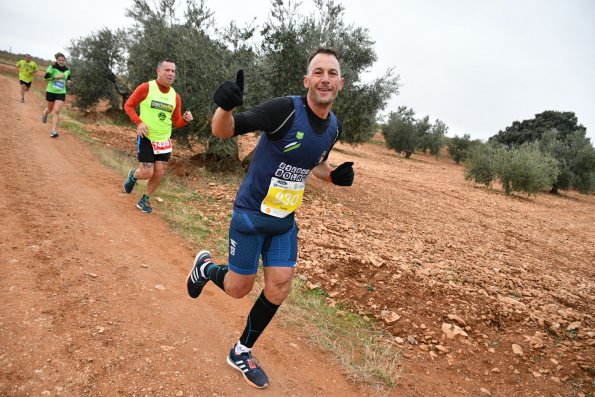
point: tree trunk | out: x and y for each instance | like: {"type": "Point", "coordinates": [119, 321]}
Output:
{"type": "Point", "coordinates": [554, 189]}
{"type": "Point", "coordinates": [222, 155]}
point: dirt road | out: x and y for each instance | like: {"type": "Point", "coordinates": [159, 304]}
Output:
{"type": "Point", "coordinates": [92, 292]}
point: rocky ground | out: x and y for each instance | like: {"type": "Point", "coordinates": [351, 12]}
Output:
{"type": "Point", "coordinates": [496, 289]}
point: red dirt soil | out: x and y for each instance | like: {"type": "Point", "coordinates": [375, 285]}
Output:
{"type": "Point", "coordinates": [94, 302]}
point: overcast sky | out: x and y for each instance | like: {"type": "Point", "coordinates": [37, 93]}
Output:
{"type": "Point", "coordinates": [477, 65]}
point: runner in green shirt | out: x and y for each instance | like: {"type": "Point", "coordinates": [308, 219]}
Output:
{"type": "Point", "coordinates": [27, 69]}
{"type": "Point", "coordinates": [58, 78]}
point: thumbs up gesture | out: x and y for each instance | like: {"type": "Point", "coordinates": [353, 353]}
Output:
{"type": "Point", "coordinates": [230, 94]}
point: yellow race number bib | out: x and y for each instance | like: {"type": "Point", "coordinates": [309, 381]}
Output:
{"type": "Point", "coordinates": [283, 198]}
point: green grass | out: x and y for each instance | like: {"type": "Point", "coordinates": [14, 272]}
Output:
{"type": "Point", "coordinates": [356, 342]}
{"type": "Point", "coordinates": [75, 127]}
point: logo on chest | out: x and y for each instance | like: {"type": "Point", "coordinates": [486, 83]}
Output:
{"type": "Point", "coordinates": [295, 144]}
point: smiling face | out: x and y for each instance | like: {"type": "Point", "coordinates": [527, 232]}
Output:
{"type": "Point", "coordinates": [323, 81]}
{"type": "Point", "coordinates": [61, 61]}
{"type": "Point", "coordinates": [166, 73]}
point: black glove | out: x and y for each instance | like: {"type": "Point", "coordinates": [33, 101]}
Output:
{"type": "Point", "coordinates": [230, 94]}
{"type": "Point", "coordinates": [343, 174]}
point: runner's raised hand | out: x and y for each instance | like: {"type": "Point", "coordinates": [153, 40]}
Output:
{"type": "Point", "coordinates": [230, 94]}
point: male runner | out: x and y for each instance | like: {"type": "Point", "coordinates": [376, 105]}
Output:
{"type": "Point", "coordinates": [160, 107]}
{"type": "Point", "coordinates": [298, 135]}
{"type": "Point", "coordinates": [27, 69]}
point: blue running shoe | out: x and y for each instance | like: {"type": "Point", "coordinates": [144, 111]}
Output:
{"type": "Point", "coordinates": [130, 181]}
{"type": "Point", "coordinates": [143, 205]}
{"type": "Point", "coordinates": [249, 367]}
{"type": "Point", "coordinates": [196, 281]}
{"type": "Point", "coordinates": [44, 118]}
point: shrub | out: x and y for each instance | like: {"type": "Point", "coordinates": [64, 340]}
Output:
{"type": "Point", "coordinates": [479, 166]}
{"type": "Point", "coordinates": [458, 148]}
{"type": "Point", "coordinates": [525, 169]}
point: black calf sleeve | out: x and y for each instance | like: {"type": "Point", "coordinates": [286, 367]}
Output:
{"type": "Point", "coordinates": [261, 314]}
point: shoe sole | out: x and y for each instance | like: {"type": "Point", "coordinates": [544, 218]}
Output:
{"type": "Point", "coordinates": [234, 366]}
{"type": "Point", "coordinates": [143, 211]}
{"type": "Point", "coordinates": [190, 272]}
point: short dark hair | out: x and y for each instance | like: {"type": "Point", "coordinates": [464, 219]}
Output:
{"type": "Point", "coordinates": [164, 60]}
{"type": "Point", "coordinates": [58, 55]}
{"type": "Point", "coordinates": [322, 50]}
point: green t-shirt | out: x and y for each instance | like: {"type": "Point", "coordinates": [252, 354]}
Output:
{"type": "Point", "coordinates": [57, 86]}
{"type": "Point", "coordinates": [26, 70]}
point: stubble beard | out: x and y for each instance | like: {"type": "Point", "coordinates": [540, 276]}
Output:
{"type": "Point", "coordinates": [319, 100]}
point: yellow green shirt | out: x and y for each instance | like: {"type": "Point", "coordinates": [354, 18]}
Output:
{"type": "Point", "coordinates": [156, 112]}
{"type": "Point", "coordinates": [26, 70]}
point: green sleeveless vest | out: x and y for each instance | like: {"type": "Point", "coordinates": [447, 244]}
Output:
{"type": "Point", "coordinates": [156, 111]}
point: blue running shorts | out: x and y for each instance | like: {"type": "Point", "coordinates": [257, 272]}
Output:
{"type": "Point", "coordinates": [252, 236]}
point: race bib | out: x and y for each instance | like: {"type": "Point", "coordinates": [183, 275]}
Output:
{"type": "Point", "coordinates": [59, 84]}
{"type": "Point", "coordinates": [162, 147]}
{"type": "Point", "coordinates": [283, 198]}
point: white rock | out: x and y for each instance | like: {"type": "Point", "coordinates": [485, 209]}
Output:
{"type": "Point", "coordinates": [516, 349]}
{"type": "Point", "coordinates": [452, 330]}
{"type": "Point", "coordinates": [390, 317]}
{"type": "Point", "coordinates": [573, 326]}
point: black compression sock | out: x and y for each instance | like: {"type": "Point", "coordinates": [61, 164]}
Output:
{"type": "Point", "coordinates": [261, 314]}
{"type": "Point", "coordinates": [216, 274]}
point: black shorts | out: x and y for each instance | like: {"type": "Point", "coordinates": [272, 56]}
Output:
{"type": "Point", "coordinates": [145, 152]}
{"type": "Point", "coordinates": [28, 84]}
{"type": "Point", "coordinates": [51, 97]}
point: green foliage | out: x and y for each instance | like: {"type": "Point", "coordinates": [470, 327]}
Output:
{"type": "Point", "coordinates": [584, 169]}
{"type": "Point", "coordinates": [116, 63]}
{"type": "Point", "coordinates": [560, 136]}
{"type": "Point", "coordinates": [436, 137]}
{"type": "Point", "coordinates": [401, 133]}
{"type": "Point", "coordinates": [525, 169]}
{"type": "Point", "coordinates": [479, 166]}
{"type": "Point", "coordinates": [532, 130]}
{"type": "Point", "coordinates": [288, 40]}
{"type": "Point", "coordinates": [576, 159]}
{"type": "Point", "coordinates": [424, 127]}
{"type": "Point", "coordinates": [458, 148]}
{"type": "Point", "coordinates": [202, 62]}
{"type": "Point", "coordinates": [97, 61]}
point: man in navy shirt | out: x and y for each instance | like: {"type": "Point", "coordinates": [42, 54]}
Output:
{"type": "Point", "coordinates": [298, 135]}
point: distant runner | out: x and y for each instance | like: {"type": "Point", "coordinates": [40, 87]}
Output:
{"type": "Point", "coordinates": [159, 108]}
{"type": "Point", "coordinates": [27, 69]}
{"type": "Point", "coordinates": [298, 135]}
{"type": "Point", "coordinates": [58, 78]}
